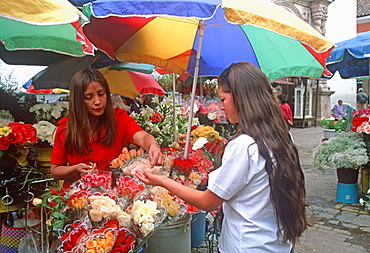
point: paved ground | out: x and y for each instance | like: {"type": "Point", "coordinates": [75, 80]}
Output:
{"type": "Point", "coordinates": [334, 228]}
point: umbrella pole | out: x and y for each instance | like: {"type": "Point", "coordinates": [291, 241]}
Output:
{"type": "Point", "coordinates": [174, 107]}
{"type": "Point", "coordinates": [196, 70]}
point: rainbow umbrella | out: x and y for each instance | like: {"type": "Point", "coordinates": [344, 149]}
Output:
{"type": "Point", "coordinates": [169, 33]}
{"type": "Point", "coordinates": [204, 37]}
{"type": "Point", "coordinates": [130, 83]}
{"type": "Point", "coordinates": [44, 32]}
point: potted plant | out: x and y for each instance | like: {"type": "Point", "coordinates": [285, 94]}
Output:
{"type": "Point", "coordinates": [332, 126]}
{"type": "Point", "coordinates": [344, 151]}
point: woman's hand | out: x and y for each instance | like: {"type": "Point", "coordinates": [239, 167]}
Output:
{"type": "Point", "coordinates": [156, 157]}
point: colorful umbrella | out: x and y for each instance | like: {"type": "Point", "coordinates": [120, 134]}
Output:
{"type": "Point", "coordinates": [59, 74]}
{"type": "Point", "coordinates": [130, 83]}
{"type": "Point", "coordinates": [204, 37]}
{"type": "Point", "coordinates": [351, 57]}
{"type": "Point", "coordinates": [121, 76]}
{"type": "Point", "coordinates": [167, 34]}
{"type": "Point", "coordinates": [42, 33]}
{"type": "Point", "coordinates": [40, 12]}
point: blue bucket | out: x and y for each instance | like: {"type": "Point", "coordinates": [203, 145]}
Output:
{"type": "Point", "coordinates": [198, 229]}
{"type": "Point", "coordinates": [347, 193]}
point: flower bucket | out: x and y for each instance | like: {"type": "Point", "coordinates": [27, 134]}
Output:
{"type": "Point", "coordinates": [43, 156]}
{"type": "Point", "coordinates": [173, 237]}
{"type": "Point", "coordinates": [347, 193]}
{"type": "Point", "coordinates": [198, 229]}
{"type": "Point", "coordinates": [347, 176]}
{"type": "Point", "coordinates": [329, 133]}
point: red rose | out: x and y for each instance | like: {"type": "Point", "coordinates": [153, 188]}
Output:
{"type": "Point", "coordinates": [4, 143]}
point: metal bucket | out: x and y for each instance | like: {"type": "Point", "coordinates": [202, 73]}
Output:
{"type": "Point", "coordinates": [173, 237]}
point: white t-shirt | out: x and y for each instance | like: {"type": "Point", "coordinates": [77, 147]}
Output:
{"type": "Point", "coordinates": [249, 224]}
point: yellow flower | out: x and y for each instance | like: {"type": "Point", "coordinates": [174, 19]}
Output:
{"type": "Point", "coordinates": [5, 131]}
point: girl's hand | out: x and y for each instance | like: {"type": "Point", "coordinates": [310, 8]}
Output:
{"type": "Point", "coordinates": [149, 178]}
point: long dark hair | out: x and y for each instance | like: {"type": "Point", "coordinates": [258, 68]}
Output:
{"type": "Point", "coordinates": [78, 126]}
{"type": "Point", "coordinates": [261, 118]}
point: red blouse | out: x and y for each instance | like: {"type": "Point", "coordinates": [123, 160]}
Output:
{"type": "Point", "coordinates": [99, 154]}
{"type": "Point", "coordinates": [288, 115]}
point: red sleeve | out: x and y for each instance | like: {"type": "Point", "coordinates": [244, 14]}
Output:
{"type": "Point", "coordinates": [127, 126]}
{"type": "Point", "coordinates": [59, 156]}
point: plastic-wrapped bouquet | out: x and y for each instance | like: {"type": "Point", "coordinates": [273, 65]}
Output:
{"type": "Point", "coordinates": [365, 200]}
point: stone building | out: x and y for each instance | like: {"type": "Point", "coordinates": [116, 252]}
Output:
{"type": "Point", "coordinates": [308, 98]}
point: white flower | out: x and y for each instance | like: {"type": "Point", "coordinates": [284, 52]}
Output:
{"type": "Point", "coordinates": [45, 131]}
{"type": "Point", "coordinates": [155, 100]}
{"type": "Point", "coordinates": [361, 201]}
{"type": "Point", "coordinates": [199, 143]}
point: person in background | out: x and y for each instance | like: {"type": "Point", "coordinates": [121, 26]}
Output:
{"type": "Point", "coordinates": [361, 98]}
{"type": "Point", "coordinates": [285, 108]}
{"type": "Point", "coordinates": [118, 103]}
{"type": "Point", "coordinates": [338, 111]}
{"type": "Point", "coordinates": [94, 133]}
{"type": "Point", "coordinates": [260, 182]}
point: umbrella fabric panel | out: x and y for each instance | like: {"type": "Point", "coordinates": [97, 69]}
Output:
{"type": "Point", "coordinates": [58, 75]}
{"type": "Point", "coordinates": [131, 84]}
{"type": "Point", "coordinates": [57, 38]}
{"type": "Point", "coordinates": [351, 57]}
{"type": "Point", "coordinates": [30, 57]}
{"type": "Point", "coordinates": [41, 12]}
{"type": "Point", "coordinates": [186, 8]}
{"type": "Point", "coordinates": [280, 56]}
{"type": "Point", "coordinates": [166, 42]}
{"type": "Point", "coordinates": [171, 43]}
{"type": "Point", "coordinates": [259, 13]}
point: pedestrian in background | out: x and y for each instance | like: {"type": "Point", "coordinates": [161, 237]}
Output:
{"type": "Point", "coordinates": [285, 108]}
{"type": "Point", "coordinates": [361, 98]}
{"type": "Point", "coordinates": [338, 111]}
{"type": "Point", "coordinates": [260, 182]}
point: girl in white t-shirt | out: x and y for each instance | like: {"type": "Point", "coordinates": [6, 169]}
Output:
{"type": "Point", "coordinates": [260, 183]}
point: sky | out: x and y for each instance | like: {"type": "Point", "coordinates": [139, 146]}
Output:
{"type": "Point", "coordinates": [20, 73]}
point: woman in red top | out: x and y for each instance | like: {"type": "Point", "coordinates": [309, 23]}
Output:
{"type": "Point", "coordinates": [285, 108]}
{"type": "Point", "coordinates": [94, 133]}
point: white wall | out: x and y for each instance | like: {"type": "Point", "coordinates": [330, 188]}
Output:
{"type": "Point", "coordinates": [340, 26]}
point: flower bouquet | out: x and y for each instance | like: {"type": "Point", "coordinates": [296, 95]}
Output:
{"type": "Point", "coordinates": [360, 121]}
{"type": "Point", "coordinates": [365, 200]}
{"type": "Point", "coordinates": [159, 121]}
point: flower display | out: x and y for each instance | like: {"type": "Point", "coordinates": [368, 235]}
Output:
{"type": "Point", "coordinates": [159, 121]}
{"type": "Point", "coordinates": [361, 121]}
{"type": "Point", "coordinates": [143, 213]}
{"type": "Point", "coordinates": [47, 117]}
{"type": "Point", "coordinates": [98, 179]}
{"type": "Point", "coordinates": [16, 133]}
{"type": "Point", "coordinates": [332, 123]}
{"type": "Point", "coordinates": [365, 200]}
{"type": "Point", "coordinates": [345, 150]}
{"type": "Point", "coordinates": [45, 131]}
{"type": "Point", "coordinates": [51, 112]}
{"type": "Point", "coordinates": [5, 117]}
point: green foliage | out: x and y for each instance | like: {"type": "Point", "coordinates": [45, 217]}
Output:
{"type": "Point", "coordinates": [159, 121]}
{"type": "Point", "coordinates": [345, 150]}
{"type": "Point", "coordinates": [331, 123]}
